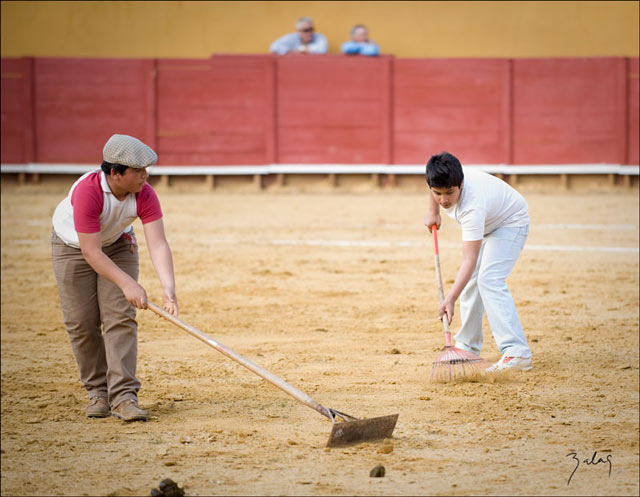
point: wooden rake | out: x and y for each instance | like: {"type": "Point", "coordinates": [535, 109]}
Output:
{"type": "Point", "coordinates": [346, 429]}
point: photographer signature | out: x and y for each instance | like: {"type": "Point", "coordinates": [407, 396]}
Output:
{"type": "Point", "coordinates": [589, 462]}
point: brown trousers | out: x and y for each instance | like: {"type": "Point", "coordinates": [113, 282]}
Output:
{"type": "Point", "coordinates": [106, 357]}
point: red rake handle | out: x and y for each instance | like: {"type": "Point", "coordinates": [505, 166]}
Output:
{"type": "Point", "coordinates": [445, 320]}
{"type": "Point", "coordinates": [435, 240]}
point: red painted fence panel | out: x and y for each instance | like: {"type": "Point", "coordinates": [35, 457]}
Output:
{"type": "Point", "coordinates": [216, 111]}
{"type": "Point", "coordinates": [569, 111]}
{"type": "Point", "coordinates": [263, 109]}
{"type": "Point", "coordinates": [333, 109]}
{"type": "Point", "coordinates": [17, 111]}
{"type": "Point", "coordinates": [633, 111]}
{"type": "Point", "coordinates": [80, 103]}
{"type": "Point", "coordinates": [457, 105]}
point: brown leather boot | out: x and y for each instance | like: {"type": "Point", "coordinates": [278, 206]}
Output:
{"type": "Point", "coordinates": [98, 408]}
{"type": "Point", "coordinates": [128, 410]}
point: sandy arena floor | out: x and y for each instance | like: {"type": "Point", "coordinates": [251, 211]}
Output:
{"type": "Point", "coordinates": [335, 293]}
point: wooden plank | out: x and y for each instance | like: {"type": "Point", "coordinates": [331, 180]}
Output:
{"type": "Point", "coordinates": [216, 111]}
{"type": "Point", "coordinates": [333, 109]}
{"type": "Point", "coordinates": [633, 111]}
{"type": "Point", "coordinates": [458, 105]}
{"type": "Point", "coordinates": [81, 102]}
{"type": "Point", "coordinates": [569, 110]}
{"type": "Point", "coordinates": [17, 128]}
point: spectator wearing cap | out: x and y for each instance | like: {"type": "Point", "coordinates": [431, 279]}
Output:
{"type": "Point", "coordinates": [360, 44]}
{"type": "Point", "coordinates": [95, 261]}
{"type": "Point", "coordinates": [304, 41]}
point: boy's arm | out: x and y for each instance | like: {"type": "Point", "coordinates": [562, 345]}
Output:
{"type": "Point", "coordinates": [91, 247]}
{"type": "Point", "coordinates": [350, 47]}
{"type": "Point", "coordinates": [433, 215]}
{"type": "Point", "coordinates": [370, 49]}
{"type": "Point", "coordinates": [470, 251]}
{"type": "Point", "coordinates": [162, 261]}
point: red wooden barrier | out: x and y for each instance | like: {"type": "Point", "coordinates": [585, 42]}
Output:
{"type": "Point", "coordinates": [569, 111]}
{"type": "Point", "coordinates": [216, 111]}
{"type": "Point", "coordinates": [80, 103]}
{"type": "Point", "coordinates": [17, 111]}
{"type": "Point", "coordinates": [458, 105]}
{"type": "Point", "coordinates": [262, 109]}
{"type": "Point", "coordinates": [633, 111]}
{"type": "Point", "coordinates": [333, 109]}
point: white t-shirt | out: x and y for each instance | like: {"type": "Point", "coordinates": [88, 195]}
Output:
{"type": "Point", "coordinates": [487, 203]}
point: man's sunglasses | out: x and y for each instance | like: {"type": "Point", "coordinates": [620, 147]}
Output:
{"type": "Point", "coordinates": [306, 30]}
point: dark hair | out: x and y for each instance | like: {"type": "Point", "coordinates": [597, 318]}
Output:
{"type": "Point", "coordinates": [444, 171]}
{"type": "Point", "coordinates": [107, 167]}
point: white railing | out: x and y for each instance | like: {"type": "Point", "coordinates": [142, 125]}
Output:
{"type": "Point", "coordinates": [327, 169]}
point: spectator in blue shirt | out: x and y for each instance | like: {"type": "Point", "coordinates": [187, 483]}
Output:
{"type": "Point", "coordinates": [359, 42]}
{"type": "Point", "coordinates": [304, 40]}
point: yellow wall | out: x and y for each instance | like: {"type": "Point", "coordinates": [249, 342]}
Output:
{"type": "Point", "coordinates": [405, 29]}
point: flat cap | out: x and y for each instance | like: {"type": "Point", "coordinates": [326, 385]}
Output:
{"type": "Point", "coordinates": [128, 151]}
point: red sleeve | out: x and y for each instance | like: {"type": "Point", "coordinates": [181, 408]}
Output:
{"type": "Point", "coordinates": [87, 201]}
{"type": "Point", "coordinates": [148, 204]}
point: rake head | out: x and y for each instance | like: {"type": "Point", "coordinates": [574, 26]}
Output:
{"type": "Point", "coordinates": [453, 364]}
{"type": "Point", "coordinates": [353, 430]}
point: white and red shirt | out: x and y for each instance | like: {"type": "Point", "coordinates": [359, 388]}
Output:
{"type": "Point", "coordinates": [90, 207]}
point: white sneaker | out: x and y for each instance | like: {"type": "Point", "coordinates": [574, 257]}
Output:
{"type": "Point", "coordinates": [511, 363]}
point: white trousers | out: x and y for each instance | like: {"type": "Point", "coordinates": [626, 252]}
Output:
{"type": "Point", "coordinates": [487, 291]}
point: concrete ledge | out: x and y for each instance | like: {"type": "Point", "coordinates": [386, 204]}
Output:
{"type": "Point", "coordinates": [328, 169]}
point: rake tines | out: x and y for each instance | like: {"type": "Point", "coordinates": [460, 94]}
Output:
{"type": "Point", "coordinates": [453, 364]}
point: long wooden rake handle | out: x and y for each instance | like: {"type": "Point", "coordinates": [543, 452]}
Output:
{"type": "Point", "coordinates": [299, 395]}
{"type": "Point", "coordinates": [445, 319]}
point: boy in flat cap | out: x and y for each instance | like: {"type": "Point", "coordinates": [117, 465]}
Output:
{"type": "Point", "coordinates": [95, 261]}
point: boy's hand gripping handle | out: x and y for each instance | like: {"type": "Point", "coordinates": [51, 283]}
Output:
{"type": "Point", "coordinates": [445, 319]}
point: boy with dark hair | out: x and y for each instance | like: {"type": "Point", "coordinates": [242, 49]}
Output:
{"type": "Point", "coordinates": [360, 44]}
{"type": "Point", "coordinates": [494, 219]}
{"type": "Point", "coordinates": [95, 261]}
